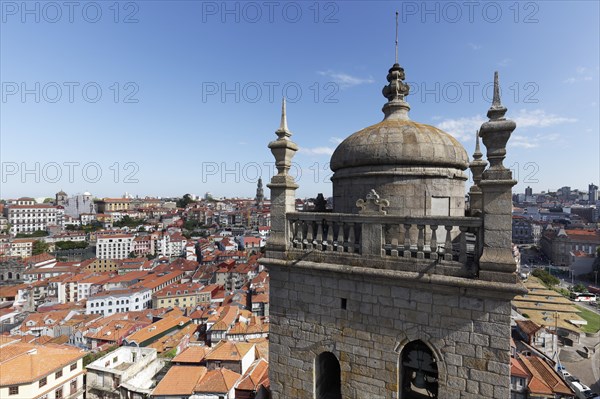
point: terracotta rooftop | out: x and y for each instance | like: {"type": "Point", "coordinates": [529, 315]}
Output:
{"type": "Point", "coordinates": [230, 351]}
{"type": "Point", "coordinates": [217, 381]}
{"type": "Point", "coordinates": [254, 376]}
{"type": "Point", "coordinates": [191, 354]}
{"type": "Point", "coordinates": [179, 381]}
{"type": "Point", "coordinates": [22, 363]}
{"type": "Point", "coordinates": [544, 380]}
{"type": "Point", "coordinates": [157, 328]}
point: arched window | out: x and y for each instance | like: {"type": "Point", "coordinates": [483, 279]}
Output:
{"type": "Point", "coordinates": [327, 377]}
{"type": "Point", "coordinates": [10, 275]}
{"type": "Point", "coordinates": [419, 378]}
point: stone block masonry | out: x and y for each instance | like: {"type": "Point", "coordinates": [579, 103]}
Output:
{"type": "Point", "coordinates": [468, 333]}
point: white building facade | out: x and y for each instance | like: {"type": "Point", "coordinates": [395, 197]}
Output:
{"type": "Point", "coordinates": [111, 302]}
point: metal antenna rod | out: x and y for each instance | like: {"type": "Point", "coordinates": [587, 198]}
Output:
{"type": "Point", "coordinates": [396, 37]}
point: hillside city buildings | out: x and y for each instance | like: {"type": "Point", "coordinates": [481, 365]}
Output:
{"type": "Point", "coordinates": [399, 286]}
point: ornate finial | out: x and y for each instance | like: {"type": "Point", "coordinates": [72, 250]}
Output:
{"type": "Point", "coordinates": [477, 165]}
{"type": "Point", "coordinates": [497, 110]}
{"type": "Point", "coordinates": [373, 204]}
{"type": "Point", "coordinates": [283, 125]}
{"type": "Point", "coordinates": [283, 148]}
{"type": "Point", "coordinates": [396, 89]}
{"type": "Point", "coordinates": [477, 155]}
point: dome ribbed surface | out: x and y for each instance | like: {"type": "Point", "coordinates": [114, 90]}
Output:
{"type": "Point", "coordinates": [401, 143]}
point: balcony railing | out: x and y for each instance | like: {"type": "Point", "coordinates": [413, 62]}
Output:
{"type": "Point", "coordinates": [434, 238]}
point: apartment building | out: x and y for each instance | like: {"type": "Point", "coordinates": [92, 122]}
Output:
{"type": "Point", "coordinates": [108, 303]}
{"type": "Point", "coordinates": [41, 372]}
{"type": "Point", "coordinates": [27, 216]}
{"type": "Point", "coordinates": [117, 246]}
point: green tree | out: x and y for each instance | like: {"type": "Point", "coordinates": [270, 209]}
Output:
{"type": "Point", "coordinates": [37, 233]}
{"type": "Point", "coordinates": [48, 200]}
{"type": "Point", "coordinates": [548, 279]}
{"type": "Point", "coordinates": [184, 201]}
{"type": "Point", "coordinates": [579, 288]}
{"type": "Point", "coordinates": [39, 247]}
{"type": "Point", "coordinates": [63, 245]}
{"type": "Point", "coordinates": [128, 222]}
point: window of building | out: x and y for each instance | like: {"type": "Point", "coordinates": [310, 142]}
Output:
{"type": "Point", "coordinates": [73, 366]}
{"type": "Point", "coordinates": [43, 382]}
{"type": "Point", "coordinates": [419, 373]}
{"type": "Point", "coordinates": [58, 394]}
{"type": "Point", "coordinates": [14, 390]}
{"type": "Point", "coordinates": [58, 374]}
{"type": "Point", "coordinates": [73, 386]}
{"type": "Point", "coordinates": [327, 377]}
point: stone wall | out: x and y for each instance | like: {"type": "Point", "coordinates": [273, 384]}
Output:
{"type": "Point", "coordinates": [468, 329]}
{"type": "Point", "coordinates": [409, 190]}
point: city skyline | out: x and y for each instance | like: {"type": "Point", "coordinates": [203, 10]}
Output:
{"type": "Point", "coordinates": [196, 114]}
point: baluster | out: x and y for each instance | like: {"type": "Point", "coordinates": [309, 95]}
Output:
{"type": "Point", "coordinates": [462, 257]}
{"type": "Point", "coordinates": [328, 244]}
{"type": "Point", "coordinates": [294, 233]}
{"type": "Point", "coordinates": [340, 237]}
{"type": "Point", "coordinates": [448, 244]}
{"type": "Point", "coordinates": [394, 251]}
{"type": "Point", "coordinates": [309, 235]}
{"type": "Point", "coordinates": [420, 241]}
{"type": "Point", "coordinates": [351, 238]}
{"type": "Point", "coordinates": [407, 243]}
{"type": "Point", "coordinates": [301, 225]}
{"type": "Point", "coordinates": [319, 237]}
{"type": "Point", "coordinates": [433, 242]}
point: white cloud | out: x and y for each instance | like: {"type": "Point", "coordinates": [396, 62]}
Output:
{"type": "Point", "coordinates": [523, 141]}
{"type": "Point", "coordinates": [335, 140]}
{"type": "Point", "coordinates": [474, 46]}
{"type": "Point", "coordinates": [317, 150]}
{"type": "Point", "coordinates": [539, 118]}
{"type": "Point", "coordinates": [462, 128]}
{"type": "Point", "coordinates": [505, 62]}
{"type": "Point", "coordinates": [582, 75]}
{"type": "Point", "coordinates": [345, 80]}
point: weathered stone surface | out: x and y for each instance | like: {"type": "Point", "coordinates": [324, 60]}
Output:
{"type": "Point", "coordinates": [368, 336]}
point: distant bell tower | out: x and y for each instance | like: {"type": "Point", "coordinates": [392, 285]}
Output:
{"type": "Point", "coordinates": [260, 196]}
{"type": "Point", "coordinates": [61, 198]}
{"type": "Point", "coordinates": [398, 292]}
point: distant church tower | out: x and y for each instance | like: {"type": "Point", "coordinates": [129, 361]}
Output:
{"type": "Point", "coordinates": [396, 293]}
{"type": "Point", "coordinates": [61, 198]}
{"type": "Point", "coordinates": [260, 196]}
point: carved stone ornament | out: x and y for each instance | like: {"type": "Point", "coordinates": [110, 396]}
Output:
{"type": "Point", "coordinates": [373, 205]}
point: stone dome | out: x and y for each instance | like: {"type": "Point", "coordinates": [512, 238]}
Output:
{"type": "Point", "coordinates": [400, 142]}
{"type": "Point", "coordinates": [418, 168]}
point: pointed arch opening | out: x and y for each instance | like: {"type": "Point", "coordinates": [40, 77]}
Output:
{"type": "Point", "coordinates": [328, 383]}
{"type": "Point", "coordinates": [419, 378]}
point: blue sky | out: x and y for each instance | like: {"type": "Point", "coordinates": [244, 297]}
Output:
{"type": "Point", "coordinates": [166, 98]}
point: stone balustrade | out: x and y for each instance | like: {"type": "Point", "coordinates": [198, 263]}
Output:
{"type": "Point", "coordinates": [435, 238]}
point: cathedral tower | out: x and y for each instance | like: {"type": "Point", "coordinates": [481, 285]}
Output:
{"type": "Point", "coordinates": [396, 293]}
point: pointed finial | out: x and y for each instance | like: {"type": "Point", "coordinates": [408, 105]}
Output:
{"type": "Point", "coordinates": [396, 37]}
{"type": "Point", "coordinates": [477, 154]}
{"type": "Point", "coordinates": [496, 101]}
{"type": "Point", "coordinates": [283, 125]}
{"type": "Point", "coordinates": [283, 132]}
{"type": "Point", "coordinates": [497, 110]}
